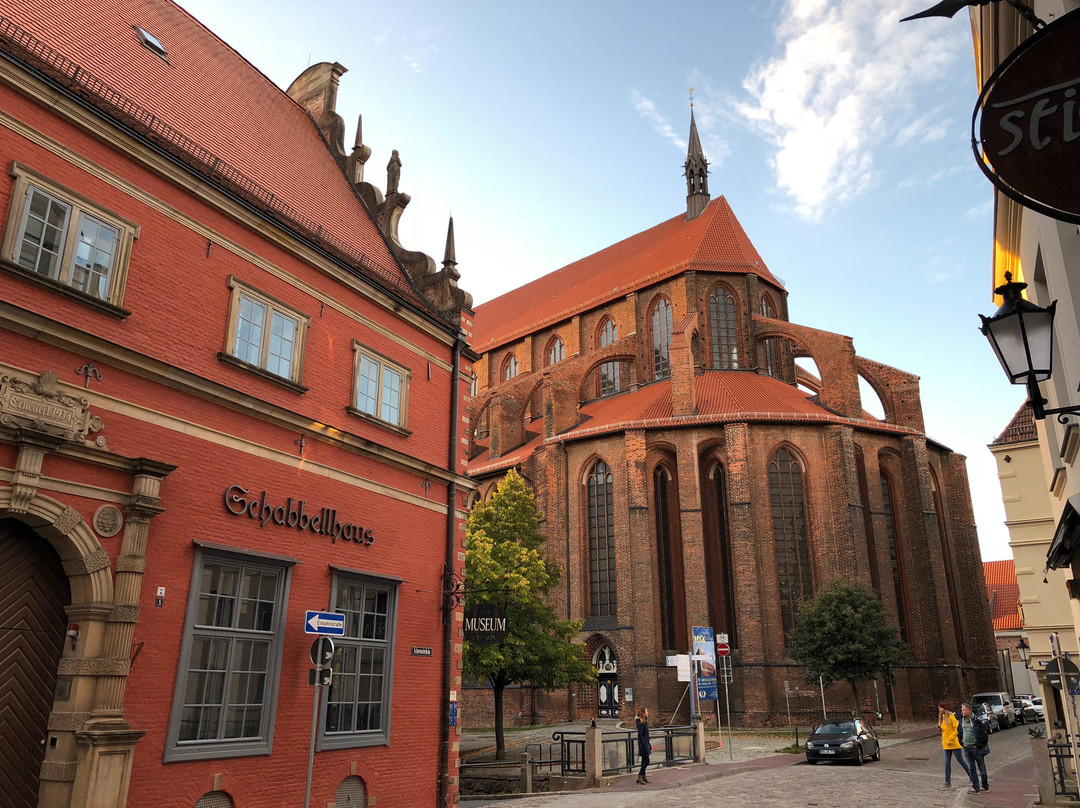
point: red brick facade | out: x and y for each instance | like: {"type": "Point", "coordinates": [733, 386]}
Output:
{"type": "Point", "coordinates": [718, 437]}
{"type": "Point", "coordinates": [138, 447]}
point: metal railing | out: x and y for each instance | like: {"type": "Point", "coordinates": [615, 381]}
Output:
{"type": "Point", "coordinates": [1061, 766]}
{"type": "Point", "coordinates": [618, 750]}
{"type": "Point", "coordinates": [571, 752]}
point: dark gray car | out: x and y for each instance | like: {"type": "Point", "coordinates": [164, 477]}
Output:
{"type": "Point", "coordinates": [843, 739]}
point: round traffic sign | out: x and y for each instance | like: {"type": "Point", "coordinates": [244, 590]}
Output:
{"type": "Point", "coordinates": [322, 651]}
{"type": "Point", "coordinates": [723, 649]}
{"type": "Point", "coordinates": [1062, 668]}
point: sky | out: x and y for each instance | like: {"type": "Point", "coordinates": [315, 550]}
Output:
{"type": "Point", "coordinates": [840, 137]}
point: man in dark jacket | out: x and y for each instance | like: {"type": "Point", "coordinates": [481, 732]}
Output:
{"type": "Point", "coordinates": [974, 740]}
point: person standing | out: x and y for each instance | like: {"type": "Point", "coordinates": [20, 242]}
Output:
{"type": "Point", "coordinates": [973, 737]}
{"type": "Point", "coordinates": [950, 742]}
{"type": "Point", "coordinates": [644, 744]}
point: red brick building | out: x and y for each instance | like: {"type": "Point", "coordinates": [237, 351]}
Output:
{"type": "Point", "coordinates": [228, 395]}
{"type": "Point", "coordinates": [693, 474]}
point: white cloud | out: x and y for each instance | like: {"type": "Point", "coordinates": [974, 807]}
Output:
{"type": "Point", "coordinates": [926, 128]}
{"type": "Point", "coordinates": [647, 109]}
{"type": "Point", "coordinates": [845, 72]}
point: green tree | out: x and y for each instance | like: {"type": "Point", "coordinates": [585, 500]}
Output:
{"type": "Point", "coordinates": [842, 635]}
{"type": "Point", "coordinates": [505, 564]}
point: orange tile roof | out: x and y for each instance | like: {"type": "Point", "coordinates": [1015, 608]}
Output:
{"type": "Point", "coordinates": [210, 95]}
{"type": "Point", "coordinates": [1004, 593]}
{"type": "Point", "coordinates": [722, 396]}
{"type": "Point", "coordinates": [713, 242]}
{"type": "Point", "coordinates": [1020, 429]}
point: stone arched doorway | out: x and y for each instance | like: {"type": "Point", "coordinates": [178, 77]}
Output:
{"type": "Point", "coordinates": [608, 695]}
{"type": "Point", "coordinates": [34, 592]}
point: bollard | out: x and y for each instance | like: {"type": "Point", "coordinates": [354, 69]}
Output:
{"type": "Point", "coordinates": [699, 741]}
{"type": "Point", "coordinates": [526, 773]}
{"type": "Point", "coordinates": [594, 757]}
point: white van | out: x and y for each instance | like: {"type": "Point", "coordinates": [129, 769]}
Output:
{"type": "Point", "coordinates": [1000, 704]}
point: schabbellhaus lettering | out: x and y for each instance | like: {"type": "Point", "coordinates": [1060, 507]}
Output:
{"type": "Point", "coordinates": [294, 514]}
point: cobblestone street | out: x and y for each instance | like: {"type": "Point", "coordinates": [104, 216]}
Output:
{"type": "Point", "coordinates": [910, 773]}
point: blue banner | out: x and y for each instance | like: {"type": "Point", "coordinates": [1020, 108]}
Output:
{"type": "Point", "coordinates": [706, 668]}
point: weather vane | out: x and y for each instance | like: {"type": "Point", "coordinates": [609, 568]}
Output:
{"type": "Point", "coordinates": [691, 96]}
{"type": "Point", "coordinates": [947, 8]}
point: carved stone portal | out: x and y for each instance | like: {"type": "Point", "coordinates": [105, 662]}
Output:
{"type": "Point", "coordinates": [40, 406]}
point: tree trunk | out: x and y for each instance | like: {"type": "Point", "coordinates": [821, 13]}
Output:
{"type": "Point", "coordinates": [500, 737]}
{"type": "Point", "coordinates": [856, 710]}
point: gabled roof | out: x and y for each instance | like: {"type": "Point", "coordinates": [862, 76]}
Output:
{"type": "Point", "coordinates": [1004, 593]}
{"type": "Point", "coordinates": [712, 242]}
{"type": "Point", "coordinates": [722, 396]}
{"type": "Point", "coordinates": [208, 94]}
{"type": "Point", "coordinates": [1021, 428]}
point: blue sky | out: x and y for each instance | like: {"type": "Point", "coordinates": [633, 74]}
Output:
{"type": "Point", "coordinates": [840, 137]}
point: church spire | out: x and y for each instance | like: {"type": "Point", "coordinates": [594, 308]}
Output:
{"type": "Point", "coordinates": [696, 170]}
{"type": "Point", "coordinates": [450, 256]}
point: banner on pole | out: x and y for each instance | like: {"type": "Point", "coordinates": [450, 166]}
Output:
{"type": "Point", "coordinates": [705, 660]}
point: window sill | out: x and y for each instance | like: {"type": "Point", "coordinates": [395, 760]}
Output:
{"type": "Point", "coordinates": [289, 384]}
{"type": "Point", "coordinates": [371, 419]}
{"type": "Point", "coordinates": [216, 751]}
{"type": "Point", "coordinates": [62, 289]}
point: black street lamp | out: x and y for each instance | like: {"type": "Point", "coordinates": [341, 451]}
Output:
{"type": "Point", "coordinates": [1024, 650]}
{"type": "Point", "coordinates": [1022, 336]}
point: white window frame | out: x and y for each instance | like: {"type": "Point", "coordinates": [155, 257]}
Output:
{"type": "Point", "coordinates": [273, 306]}
{"type": "Point", "coordinates": [262, 743]}
{"type": "Point", "coordinates": [350, 643]}
{"type": "Point", "coordinates": [79, 209]}
{"type": "Point", "coordinates": [384, 364]}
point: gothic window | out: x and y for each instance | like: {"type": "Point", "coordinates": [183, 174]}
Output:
{"type": "Point", "coordinates": [667, 561]}
{"type": "Point", "coordinates": [556, 351]}
{"type": "Point", "coordinates": [721, 580]}
{"type": "Point", "coordinates": [946, 553]}
{"type": "Point", "coordinates": [601, 542]}
{"type": "Point", "coordinates": [661, 339]}
{"type": "Point", "coordinates": [510, 368]}
{"type": "Point", "coordinates": [725, 350]}
{"type": "Point", "coordinates": [609, 371]}
{"type": "Point", "coordinates": [894, 555]}
{"type": "Point", "coordinates": [793, 574]}
{"type": "Point", "coordinates": [769, 345]}
{"type": "Point", "coordinates": [767, 309]}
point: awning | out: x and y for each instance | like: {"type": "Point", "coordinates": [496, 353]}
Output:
{"type": "Point", "coordinates": [1066, 537]}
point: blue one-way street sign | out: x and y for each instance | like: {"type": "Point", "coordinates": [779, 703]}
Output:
{"type": "Point", "coordinates": [325, 623]}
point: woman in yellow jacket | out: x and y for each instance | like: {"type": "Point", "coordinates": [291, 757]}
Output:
{"type": "Point", "coordinates": [950, 741]}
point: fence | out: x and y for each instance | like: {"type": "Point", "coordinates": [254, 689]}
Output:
{"type": "Point", "coordinates": [618, 750]}
{"type": "Point", "coordinates": [1061, 766]}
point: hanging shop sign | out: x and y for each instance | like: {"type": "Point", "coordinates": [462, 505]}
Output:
{"type": "Point", "coordinates": [1025, 129]}
{"type": "Point", "coordinates": [296, 514]}
{"type": "Point", "coordinates": [485, 624]}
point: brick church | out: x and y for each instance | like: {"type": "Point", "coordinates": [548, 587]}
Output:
{"type": "Point", "coordinates": [693, 473]}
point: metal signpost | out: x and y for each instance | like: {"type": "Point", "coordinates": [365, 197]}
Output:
{"type": "Point", "coordinates": [724, 670]}
{"type": "Point", "coordinates": [322, 655]}
{"type": "Point", "coordinates": [1062, 675]}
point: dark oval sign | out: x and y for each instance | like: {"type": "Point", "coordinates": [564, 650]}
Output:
{"type": "Point", "coordinates": [1029, 134]}
{"type": "Point", "coordinates": [485, 624]}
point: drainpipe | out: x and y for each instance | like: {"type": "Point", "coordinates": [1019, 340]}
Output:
{"type": "Point", "coordinates": [448, 582]}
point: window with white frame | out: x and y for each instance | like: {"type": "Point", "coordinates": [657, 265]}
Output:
{"type": "Point", "coordinates": [382, 387]}
{"type": "Point", "coordinates": [556, 351]}
{"type": "Point", "coordinates": [230, 656]}
{"type": "Point", "coordinates": [357, 708]}
{"type": "Point", "coordinates": [56, 234]}
{"type": "Point", "coordinates": [265, 333]}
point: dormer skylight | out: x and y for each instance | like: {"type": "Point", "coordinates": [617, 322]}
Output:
{"type": "Point", "coordinates": [151, 42]}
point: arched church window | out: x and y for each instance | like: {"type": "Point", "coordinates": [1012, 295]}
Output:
{"type": "Point", "coordinates": [668, 559]}
{"type": "Point", "coordinates": [601, 541]}
{"type": "Point", "coordinates": [894, 554]}
{"type": "Point", "coordinates": [662, 327]}
{"type": "Point", "coordinates": [510, 368]}
{"type": "Point", "coordinates": [556, 351]}
{"type": "Point", "coordinates": [946, 554]}
{"type": "Point", "coordinates": [718, 552]}
{"type": "Point", "coordinates": [794, 578]}
{"type": "Point", "coordinates": [609, 371]}
{"type": "Point", "coordinates": [722, 334]}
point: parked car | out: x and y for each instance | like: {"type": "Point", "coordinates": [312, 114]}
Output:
{"type": "Point", "coordinates": [843, 739]}
{"type": "Point", "coordinates": [1025, 710]}
{"type": "Point", "coordinates": [988, 720]}
{"type": "Point", "coordinates": [1037, 703]}
{"type": "Point", "coordinates": [1000, 704]}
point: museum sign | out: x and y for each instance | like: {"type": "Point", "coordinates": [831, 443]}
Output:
{"type": "Point", "coordinates": [1026, 126]}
